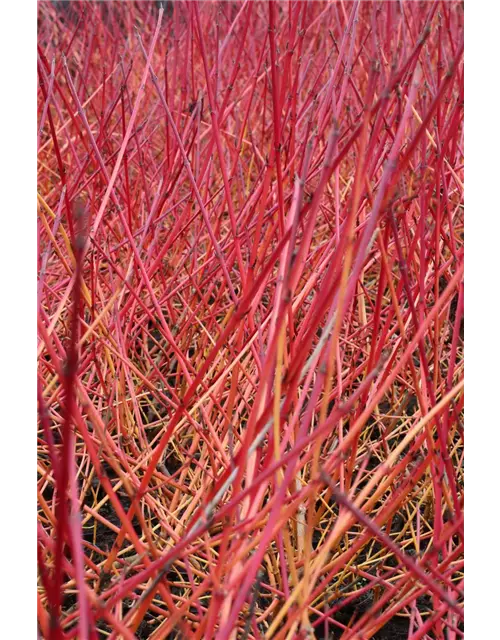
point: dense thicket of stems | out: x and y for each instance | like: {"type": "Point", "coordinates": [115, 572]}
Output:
{"type": "Point", "coordinates": [250, 320]}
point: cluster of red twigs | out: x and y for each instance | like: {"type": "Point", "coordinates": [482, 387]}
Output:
{"type": "Point", "coordinates": [250, 320]}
